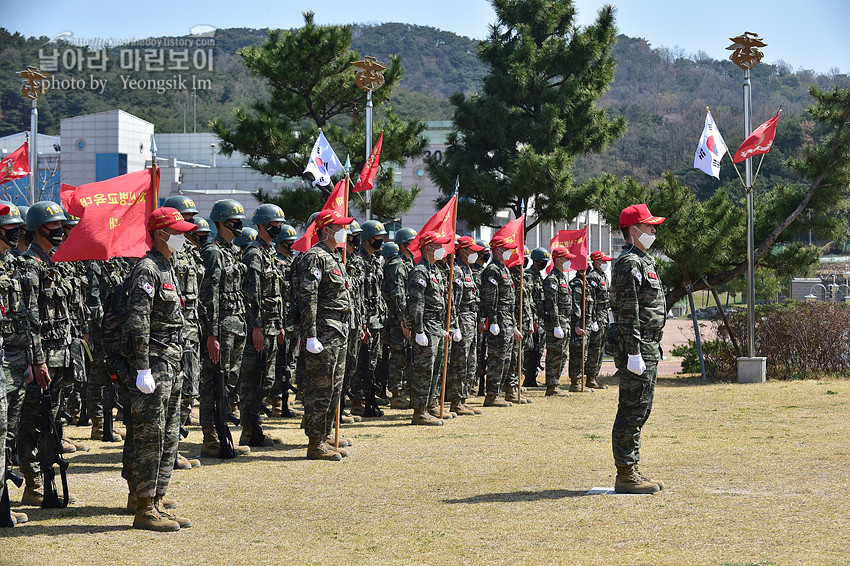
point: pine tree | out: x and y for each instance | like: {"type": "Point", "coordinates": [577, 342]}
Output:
{"type": "Point", "coordinates": [513, 144]}
{"type": "Point", "coordinates": [311, 88]}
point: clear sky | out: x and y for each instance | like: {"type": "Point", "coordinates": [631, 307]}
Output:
{"type": "Point", "coordinates": [811, 34]}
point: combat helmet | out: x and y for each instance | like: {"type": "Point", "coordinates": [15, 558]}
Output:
{"type": "Point", "coordinates": [354, 228]}
{"type": "Point", "coordinates": [202, 224]}
{"type": "Point", "coordinates": [43, 212]}
{"type": "Point", "coordinates": [372, 228]}
{"type": "Point", "coordinates": [404, 236]}
{"type": "Point", "coordinates": [389, 251]}
{"type": "Point", "coordinates": [540, 254]}
{"type": "Point", "coordinates": [13, 217]}
{"type": "Point", "coordinates": [70, 221]}
{"type": "Point", "coordinates": [182, 203]}
{"type": "Point", "coordinates": [287, 234]}
{"type": "Point", "coordinates": [247, 236]}
{"type": "Point", "coordinates": [227, 209]}
{"type": "Point", "coordinates": [267, 213]}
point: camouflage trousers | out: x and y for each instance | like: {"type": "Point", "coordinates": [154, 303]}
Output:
{"type": "Point", "coordinates": [526, 344]}
{"type": "Point", "coordinates": [232, 346]}
{"type": "Point", "coordinates": [3, 421]}
{"type": "Point", "coordinates": [352, 354]}
{"type": "Point", "coordinates": [426, 373]}
{"type": "Point", "coordinates": [156, 429]}
{"type": "Point", "coordinates": [191, 376]}
{"type": "Point", "coordinates": [397, 358]}
{"type": "Point", "coordinates": [499, 353]}
{"type": "Point", "coordinates": [75, 386]}
{"type": "Point", "coordinates": [284, 370]}
{"type": "Point", "coordinates": [462, 359]}
{"type": "Point", "coordinates": [636, 396]}
{"type": "Point", "coordinates": [576, 358]}
{"type": "Point", "coordinates": [365, 378]}
{"type": "Point", "coordinates": [258, 374]}
{"type": "Point", "coordinates": [323, 377]}
{"type": "Point", "coordinates": [556, 356]}
{"type": "Point", "coordinates": [595, 351]}
{"type": "Point", "coordinates": [28, 430]}
{"type": "Point", "coordinates": [15, 368]}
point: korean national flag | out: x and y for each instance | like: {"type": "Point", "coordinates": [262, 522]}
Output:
{"type": "Point", "coordinates": [710, 150]}
{"type": "Point", "coordinates": [323, 162]}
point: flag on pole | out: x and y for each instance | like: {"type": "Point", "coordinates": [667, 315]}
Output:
{"type": "Point", "coordinates": [443, 224]}
{"type": "Point", "coordinates": [370, 168]}
{"type": "Point", "coordinates": [323, 161]}
{"type": "Point", "coordinates": [16, 165]}
{"type": "Point", "coordinates": [514, 231]}
{"type": "Point", "coordinates": [758, 142]}
{"type": "Point", "coordinates": [710, 150]}
{"type": "Point", "coordinates": [576, 243]}
{"type": "Point", "coordinates": [113, 217]}
{"type": "Point", "coordinates": [336, 201]}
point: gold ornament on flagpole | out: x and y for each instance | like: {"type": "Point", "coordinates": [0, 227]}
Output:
{"type": "Point", "coordinates": [745, 50]}
{"type": "Point", "coordinates": [370, 73]}
{"type": "Point", "coordinates": [34, 83]}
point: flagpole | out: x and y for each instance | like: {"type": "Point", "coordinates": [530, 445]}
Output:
{"type": "Point", "coordinates": [338, 415]}
{"type": "Point", "coordinates": [584, 302]}
{"type": "Point", "coordinates": [449, 306]}
{"type": "Point", "coordinates": [521, 253]}
{"type": "Point", "coordinates": [154, 176]}
{"type": "Point", "coordinates": [33, 151]}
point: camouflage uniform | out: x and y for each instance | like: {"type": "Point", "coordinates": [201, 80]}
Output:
{"type": "Point", "coordinates": [639, 307]}
{"type": "Point", "coordinates": [326, 310]}
{"type": "Point", "coordinates": [264, 309]}
{"type": "Point", "coordinates": [76, 283]}
{"type": "Point", "coordinates": [374, 316]}
{"type": "Point", "coordinates": [529, 356]}
{"type": "Point", "coordinates": [529, 314]}
{"type": "Point", "coordinates": [426, 313]}
{"type": "Point", "coordinates": [189, 272]}
{"type": "Point", "coordinates": [223, 315]}
{"type": "Point", "coordinates": [356, 268]}
{"type": "Point", "coordinates": [462, 358]}
{"type": "Point", "coordinates": [154, 324]}
{"type": "Point", "coordinates": [557, 312]}
{"type": "Point", "coordinates": [16, 344]}
{"type": "Point", "coordinates": [598, 285]}
{"type": "Point", "coordinates": [46, 301]}
{"type": "Point", "coordinates": [582, 318]}
{"type": "Point", "coordinates": [396, 274]}
{"type": "Point", "coordinates": [497, 304]}
{"type": "Point", "coordinates": [481, 339]}
{"type": "Point", "coordinates": [286, 353]}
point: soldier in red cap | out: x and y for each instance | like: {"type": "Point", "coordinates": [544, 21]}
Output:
{"type": "Point", "coordinates": [639, 307]}
{"type": "Point", "coordinates": [597, 284]}
{"type": "Point", "coordinates": [556, 319]}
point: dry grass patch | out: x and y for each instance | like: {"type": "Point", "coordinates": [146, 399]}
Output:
{"type": "Point", "coordinates": [755, 475]}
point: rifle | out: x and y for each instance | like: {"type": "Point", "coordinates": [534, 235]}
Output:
{"type": "Point", "coordinates": [367, 380]}
{"type": "Point", "coordinates": [50, 452]}
{"type": "Point", "coordinates": [6, 519]}
{"type": "Point", "coordinates": [220, 415]}
{"type": "Point", "coordinates": [382, 372]}
{"type": "Point", "coordinates": [109, 402]}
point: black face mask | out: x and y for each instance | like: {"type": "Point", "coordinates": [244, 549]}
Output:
{"type": "Point", "coordinates": [355, 242]}
{"type": "Point", "coordinates": [376, 245]}
{"type": "Point", "coordinates": [202, 239]}
{"type": "Point", "coordinates": [235, 226]}
{"type": "Point", "coordinates": [54, 236]}
{"type": "Point", "coordinates": [540, 265]}
{"type": "Point", "coordinates": [484, 258]}
{"type": "Point", "coordinates": [274, 231]}
{"type": "Point", "coordinates": [11, 235]}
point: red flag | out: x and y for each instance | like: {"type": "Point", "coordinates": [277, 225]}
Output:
{"type": "Point", "coordinates": [443, 223]}
{"type": "Point", "coordinates": [15, 165]}
{"type": "Point", "coordinates": [370, 168]}
{"type": "Point", "coordinates": [514, 231]}
{"type": "Point", "coordinates": [576, 243]}
{"type": "Point", "coordinates": [113, 218]}
{"type": "Point", "coordinates": [336, 201]}
{"type": "Point", "coordinates": [758, 142]}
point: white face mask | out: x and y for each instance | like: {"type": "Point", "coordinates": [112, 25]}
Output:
{"type": "Point", "coordinates": [439, 253]}
{"type": "Point", "coordinates": [340, 235]}
{"type": "Point", "coordinates": [566, 266]}
{"type": "Point", "coordinates": [175, 242]}
{"type": "Point", "coordinates": [646, 240]}
{"type": "Point", "coordinates": [472, 258]}
{"type": "Point", "coordinates": [506, 255]}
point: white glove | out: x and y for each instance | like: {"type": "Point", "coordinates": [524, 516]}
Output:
{"type": "Point", "coordinates": [636, 365]}
{"type": "Point", "coordinates": [494, 329]}
{"type": "Point", "coordinates": [595, 327]}
{"type": "Point", "coordinates": [457, 336]}
{"type": "Point", "coordinates": [314, 346]}
{"type": "Point", "coordinates": [144, 381]}
{"type": "Point", "coordinates": [558, 332]}
{"type": "Point", "coordinates": [421, 339]}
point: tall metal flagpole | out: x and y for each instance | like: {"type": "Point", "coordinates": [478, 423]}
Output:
{"type": "Point", "coordinates": [368, 148]}
{"type": "Point", "coordinates": [33, 86]}
{"type": "Point", "coordinates": [338, 415]}
{"type": "Point", "coordinates": [154, 175]}
{"type": "Point", "coordinates": [449, 305]}
{"type": "Point", "coordinates": [33, 150]}
{"type": "Point", "coordinates": [584, 300]}
{"type": "Point", "coordinates": [369, 77]}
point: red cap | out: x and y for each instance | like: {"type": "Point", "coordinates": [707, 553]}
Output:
{"type": "Point", "coordinates": [501, 242]}
{"type": "Point", "coordinates": [561, 251]}
{"type": "Point", "coordinates": [167, 217]}
{"type": "Point", "coordinates": [431, 237]}
{"type": "Point", "coordinates": [598, 255]}
{"type": "Point", "coordinates": [467, 243]}
{"type": "Point", "coordinates": [328, 217]}
{"type": "Point", "coordinates": [638, 214]}
{"type": "Point", "coordinates": [4, 209]}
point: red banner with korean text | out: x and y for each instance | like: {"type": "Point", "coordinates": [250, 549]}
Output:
{"type": "Point", "coordinates": [370, 168]}
{"type": "Point", "coordinates": [514, 231]}
{"type": "Point", "coordinates": [16, 165]}
{"type": "Point", "coordinates": [443, 223]}
{"type": "Point", "coordinates": [113, 218]}
{"type": "Point", "coordinates": [336, 201]}
{"type": "Point", "coordinates": [576, 243]}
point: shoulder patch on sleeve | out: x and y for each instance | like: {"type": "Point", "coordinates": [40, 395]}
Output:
{"type": "Point", "coordinates": [638, 275]}
{"type": "Point", "coordinates": [317, 274]}
{"type": "Point", "coordinates": [421, 281]}
{"type": "Point", "coordinates": [493, 281]}
{"type": "Point", "coordinates": [147, 288]}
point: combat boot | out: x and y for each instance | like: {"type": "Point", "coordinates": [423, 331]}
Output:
{"type": "Point", "coordinates": [169, 514]}
{"type": "Point", "coordinates": [276, 404]}
{"type": "Point", "coordinates": [555, 391]}
{"type": "Point", "coordinates": [346, 414]}
{"type": "Point", "coordinates": [253, 435]}
{"type": "Point", "coordinates": [96, 428]}
{"type": "Point", "coordinates": [357, 407]}
{"type": "Point", "coordinates": [33, 494]}
{"type": "Point", "coordinates": [591, 383]}
{"type": "Point", "coordinates": [149, 519]}
{"type": "Point", "coordinates": [458, 409]}
{"type": "Point", "coordinates": [629, 481]}
{"type": "Point", "coordinates": [475, 410]}
{"type": "Point", "coordinates": [76, 444]}
{"type": "Point", "coordinates": [575, 385]}
{"type": "Point", "coordinates": [184, 463]}
{"type": "Point", "coordinates": [422, 417]}
{"type": "Point", "coordinates": [522, 400]}
{"type": "Point", "coordinates": [318, 449]}
{"type": "Point", "coordinates": [496, 401]}
{"type": "Point", "coordinates": [660, 484]}
{"type": "Point", "coordinates": [399, 400]}
{"type": "Point", "coordinates": [19, 518]}
{"type": "Point", "coordinates": [210, 448]}
{"type": "Point", "coordinates": [166, 502]}
{"type": "Point", "coordinates": [329, 440]}
{"type": "Point", "coordinates": [434, 411]}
